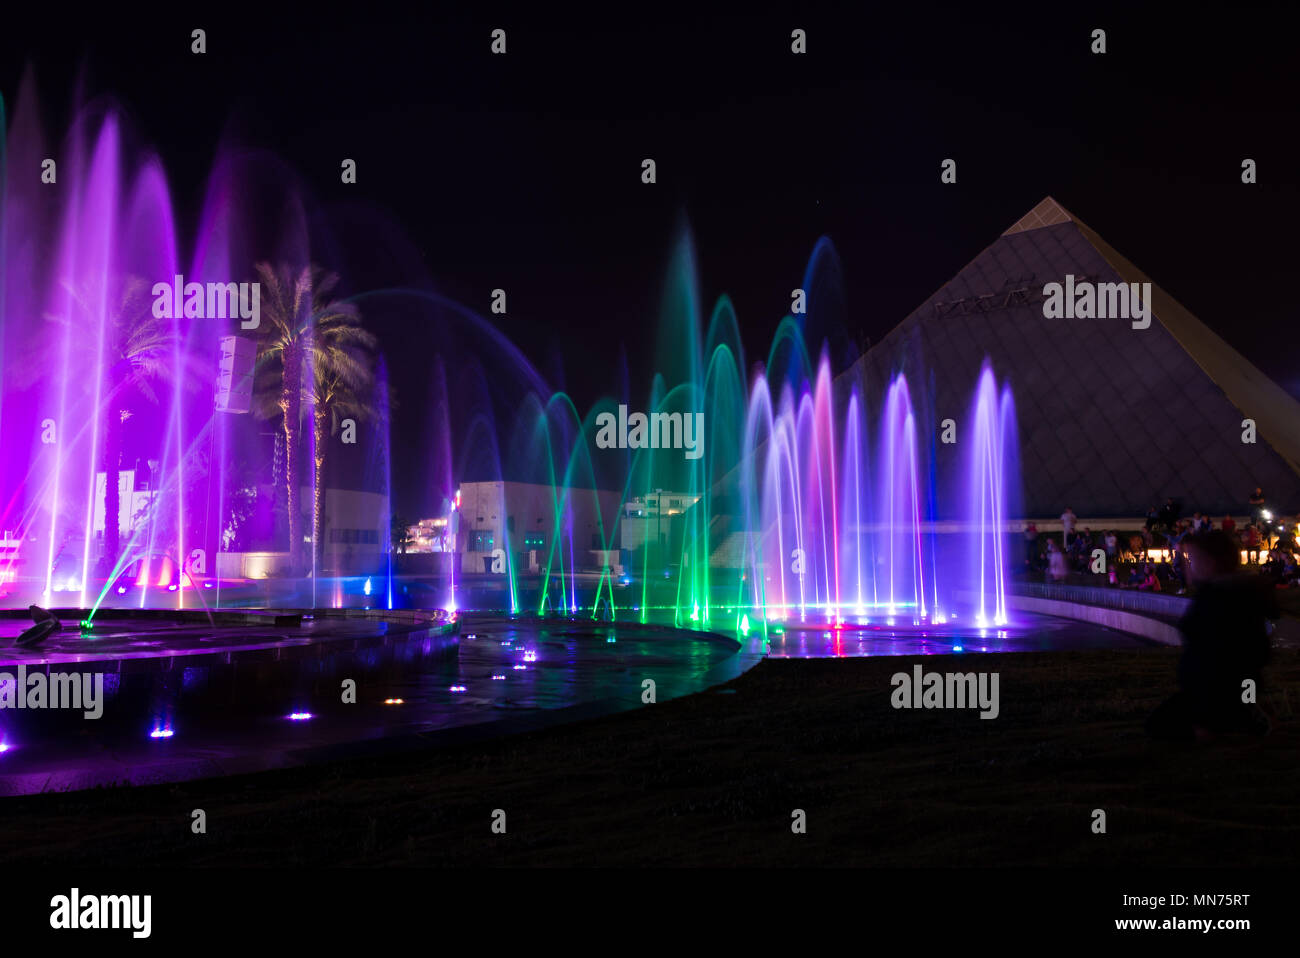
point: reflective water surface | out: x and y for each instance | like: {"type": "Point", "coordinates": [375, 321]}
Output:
{"type": "Point", "coordinates": [189, 701]}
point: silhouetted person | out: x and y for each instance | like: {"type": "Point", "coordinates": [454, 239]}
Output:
{"type": "Point", "coordinates": [1153, 518]}
{"type": "Point", "coordinates": [1031, 547]}
{"type": "Point", "coordinates": [1170, 513]}
{"type": "Point", "coordinates": [1225, 642]}
{"type": "Point", "coordinates": [1257, 502]}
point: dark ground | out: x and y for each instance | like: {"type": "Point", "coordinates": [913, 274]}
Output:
{"type": "Point", "coordinates": [712, 780]}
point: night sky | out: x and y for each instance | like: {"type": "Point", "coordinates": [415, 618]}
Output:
{"type": "Point", "coordinates": [523, 171]}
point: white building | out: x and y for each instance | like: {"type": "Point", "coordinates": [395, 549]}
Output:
{"type": "Point", "coordinates": [655, 517]}
{"type": "Point", "coordinates": [520, 518]}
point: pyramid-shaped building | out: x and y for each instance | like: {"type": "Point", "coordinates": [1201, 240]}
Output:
{"type": "Point", "coordinates": [1112, 419]}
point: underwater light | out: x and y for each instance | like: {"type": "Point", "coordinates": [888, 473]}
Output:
{"type": "Point", "coordinates": [4, 747]}
{"type": "Point", "coordinates": [498, 678]}
{"type": "Point", "coordinates": [957, 648]}
{"type": "Point", "coordinates": [458, 688]}
{"type": "Point", "coordinates": [394, 701]}
{"type": "Point", "coordinates": [299, 716]}
{"type": "Point", "coordinates": [121, 590]}
{"type": "Point", "coordinates": [161, 733]}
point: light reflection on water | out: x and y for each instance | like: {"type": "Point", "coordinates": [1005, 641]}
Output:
{"type": "Point", "coordinates": [228, 709]}
{"type": "Point", "coordinates": [1030, 633]}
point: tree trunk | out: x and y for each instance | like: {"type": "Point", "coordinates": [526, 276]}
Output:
{"type": "Point", "coordinates": [290, 404]}
{"type": "Point", "coordinates": [318, 505]}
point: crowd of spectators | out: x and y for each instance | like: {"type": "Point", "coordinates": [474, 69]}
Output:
{"type": "Point", "coordinates": [1153, 558]}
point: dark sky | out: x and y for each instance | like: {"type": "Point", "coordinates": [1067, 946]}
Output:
{"type": "Point", "coordinates": [523, 171]}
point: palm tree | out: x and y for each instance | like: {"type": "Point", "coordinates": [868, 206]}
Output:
{"type": "Point", "coordinates": [304, 330]}
{"type": "Point", "coordinates": [399, 531]}
{"type": "Point", "coordinates": [343, 379]}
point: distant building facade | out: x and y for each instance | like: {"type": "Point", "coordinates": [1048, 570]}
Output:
{"type": "Point", "coordinates": [501, 525]}
{"type": "Point", "coordinates": [657, 517]}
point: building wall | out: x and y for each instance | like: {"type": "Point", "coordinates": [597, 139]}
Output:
{"type": "Point", "coordinates": [520, 517]}
{"type": "Point", "coordinates": [354, 529]}
{"type": "Point", "coordinates": [131, 503]}
{"type": "Point", "coordinates": [657, 516]}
